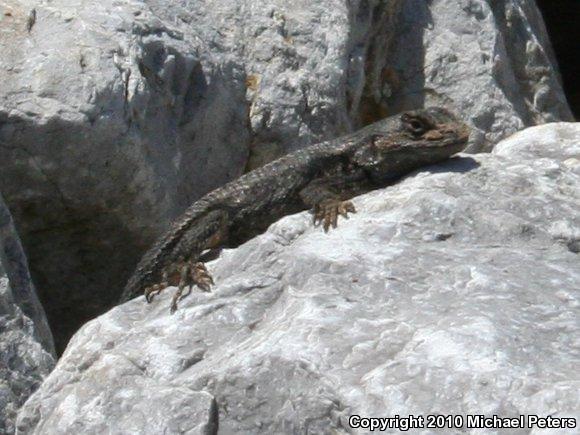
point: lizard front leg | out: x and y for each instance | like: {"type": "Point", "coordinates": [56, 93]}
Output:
{"type": "Point", "coordinates": [327, 212]}
{"type": "Point", "coordinates": [326, 198]}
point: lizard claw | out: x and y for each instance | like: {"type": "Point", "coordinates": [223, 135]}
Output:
{"type": "Point", "coordinates": [201, 277]}
{"type": "Point", "coordinates": [191, 274]}
{"type": "Point", "coordinates": [153, 290]}
{"type": "Point", "coordinates": [184, 269]}
{"type": "Point", "coordinates": [183, 274]}
{"type": "Point", "coordinates": [148, 294]}
{"type": "Point", "coordinates": [327, 212]}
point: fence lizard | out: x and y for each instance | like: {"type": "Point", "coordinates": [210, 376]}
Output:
{"type": "Point", "coordinates": [322, 177]}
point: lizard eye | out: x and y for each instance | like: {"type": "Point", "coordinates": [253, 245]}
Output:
{"type": "Point", "coordinates": [416, 126]}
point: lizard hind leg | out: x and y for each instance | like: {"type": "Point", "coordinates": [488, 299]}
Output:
{"type": "Point", "coordinates": [201, 277]}
{"type": "Point", "coordinates": [183, 274]}
{"type": "Point", "coordinates": [191, 273]}
{"type": "Point", "coordinates": [150, 292]}
{"type": "Point", "coordinates": [209, 231]}
{"type": "Point", "coordinates": [197, 275]}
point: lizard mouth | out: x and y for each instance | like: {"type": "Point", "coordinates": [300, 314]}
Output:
{"type": "Point", "coordinates": [442, 136]}
{"type": "Point", "coordinates": [445, 135]}
{"type": "Point", "coordinates": [440, 132]}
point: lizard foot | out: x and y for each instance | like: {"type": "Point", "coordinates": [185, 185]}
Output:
{"type": "Point", "coordinates": [327, 212]}
{"type": "Point", "coordinates": [151, 291]}
{"type": "Point", "coordinates": [191, 274]}
{"type": "Point", "coordinates": [201, 277]}
{"type": "Point", "coordinates": [155, 289]}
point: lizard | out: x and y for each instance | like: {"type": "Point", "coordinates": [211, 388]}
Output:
{"type": "Point", "coordinates": [322, 177]}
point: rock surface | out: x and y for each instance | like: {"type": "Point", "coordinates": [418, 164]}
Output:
{"type": "Point", "coordinates": [456, 291]}
{"type": "Point", "coordinates": [491, 60]}
{"type": "Point", "coordinates": [116, 115]}
{"type": "Point", "coordinates": [26, 347]}
{"type": "Point", "coordinates": [111, 123]}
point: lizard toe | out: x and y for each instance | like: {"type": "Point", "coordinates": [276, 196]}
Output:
{"type": "Point", "coordinates": [201, 277]}
{"type": "Point", "coordinates": [151, 291]}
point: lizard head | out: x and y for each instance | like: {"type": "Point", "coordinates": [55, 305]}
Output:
{"type": "Point", "coordinates": [417, 138]}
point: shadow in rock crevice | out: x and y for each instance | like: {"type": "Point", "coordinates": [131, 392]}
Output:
{"type": "Point", "coordinates": [404, 87]}
{"type": "Point", "coordinates": [80, 231]}
{"type": "Point", "coordinates": [562, 18]}
{"type": "Point", "coordinates": [458, 164]}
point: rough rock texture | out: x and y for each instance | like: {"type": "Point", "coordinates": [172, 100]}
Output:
{"type": "Point", "coordinates": [318, 69]}
{"type": "Point", "coordinates": [490, 60]}
{"type": "Point", "coordinates": [111, 123]}
{"type": "Point", "coordinates": [116, 115]}
{"type": "Point", "coordinates": [136, 109]}
{"type": "Point", "coordinates": [454, 291]}
{"type": "Point", "coordinates": [26, 347]}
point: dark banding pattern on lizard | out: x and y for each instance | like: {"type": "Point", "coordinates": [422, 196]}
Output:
{"type": "Point", "coordinates": [322, 177]}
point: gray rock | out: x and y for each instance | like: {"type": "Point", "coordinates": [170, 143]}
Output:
{"type": "Point", "coordinates": [111, 123]}
{"type": "Point", "coordinates": [26, 347]}
{"type": "Point", "coordinates": [489, 59]}
{"type": "Point", "coordinates": [455, 291]}
{"type": "Point", "coordinates": [116, 115]}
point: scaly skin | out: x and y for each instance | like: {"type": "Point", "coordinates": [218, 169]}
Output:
{"type": "Point", "coordinates": [321, 177]}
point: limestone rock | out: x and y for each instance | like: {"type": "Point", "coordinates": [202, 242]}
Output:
{"type": "Point", "coordinates": [116, 115]}
{"type": "Point", "coordinates": [489, 59]}
{"type": "Point", "coordinates": [26, 347]}
{"type": "Point", "coordinates": [455, 291]}
{"type": "Point", "coordinates": [111, 123]}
